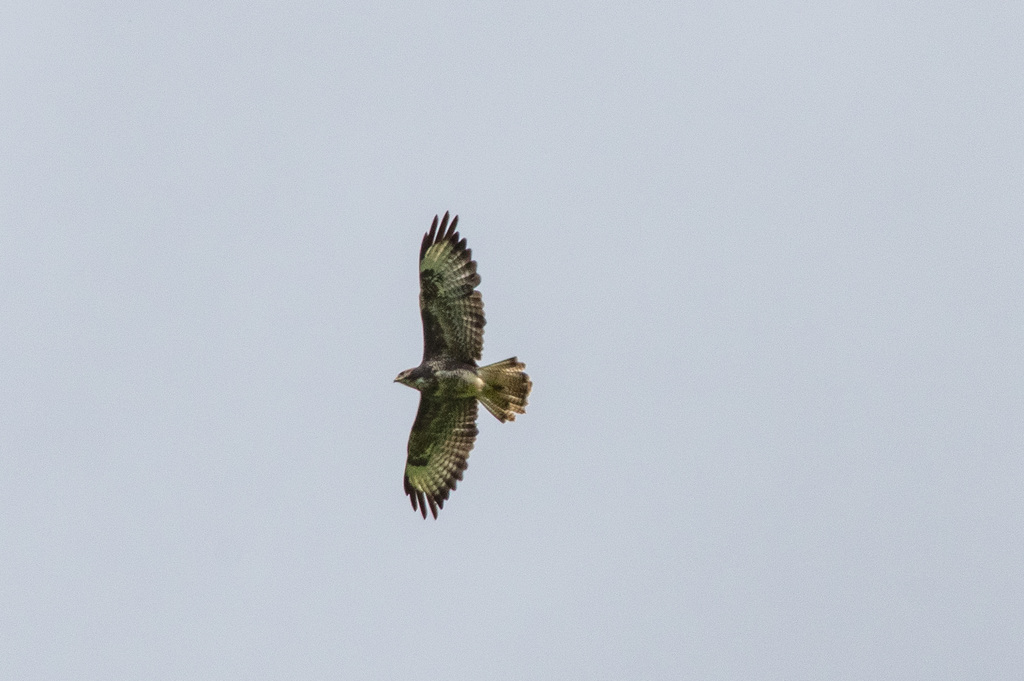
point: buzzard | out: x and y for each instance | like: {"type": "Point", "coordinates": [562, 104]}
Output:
{"type": "Point", "coordinates": [448, 378]}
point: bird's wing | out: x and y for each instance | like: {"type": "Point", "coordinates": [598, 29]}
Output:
{"type": "Point", "coordinates": [439, 445]}
{"type": "Point", "coordinates": [453, 313]}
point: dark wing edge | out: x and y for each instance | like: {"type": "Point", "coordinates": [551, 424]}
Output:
{"type": "Point", "coordinates": [447, 233]}
{"type": "Point", "coordinates": [439, 444]}
{"type": "Point", "coordinates": [452, 311]}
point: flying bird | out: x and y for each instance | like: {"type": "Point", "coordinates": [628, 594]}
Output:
{"type": "Point", "coordinates": [448, 378]}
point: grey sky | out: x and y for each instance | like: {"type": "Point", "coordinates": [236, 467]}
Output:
{"type": "Point", "coordinates": [764, 262]}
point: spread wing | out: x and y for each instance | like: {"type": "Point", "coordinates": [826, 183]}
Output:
{"type": "Point", "coordinates": [453, 313]}
{"type": "Point", "coordinates": [439, 445]}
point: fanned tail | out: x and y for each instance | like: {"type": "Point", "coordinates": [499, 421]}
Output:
{"type": "Point", "coordinates": [506, 387]}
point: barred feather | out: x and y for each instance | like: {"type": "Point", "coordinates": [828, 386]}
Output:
{"type": "Point", "coordinates": [506, 387]}
{"type": "Point", "coordinates": [439, 444]}
{"type": "Point", "coordinates": [453, 313]}
{"type": "Point", "coordinates": [448, 379]}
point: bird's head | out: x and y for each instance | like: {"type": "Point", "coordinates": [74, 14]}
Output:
{"type": "Point", "coordinates": [405, 378]}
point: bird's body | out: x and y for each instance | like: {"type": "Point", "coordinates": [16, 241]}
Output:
{"type": "Point", "coordinates": [448, 378]}
{"type": "Point", "coordinates": [444, 378]}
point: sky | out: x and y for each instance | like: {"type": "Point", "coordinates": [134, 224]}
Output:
{"type": "Point", "coordinates": [764, 263]}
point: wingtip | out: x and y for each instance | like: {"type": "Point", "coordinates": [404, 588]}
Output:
{"type": "Point", "coordinates": [441, 229]}
{"type": "Point", "coordinates": [448, 234]}
{"type": "Point", "coordinates": [428, 238]}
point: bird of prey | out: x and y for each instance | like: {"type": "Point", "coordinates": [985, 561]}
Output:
{"type": "Point", "coordinates": [448, 378]}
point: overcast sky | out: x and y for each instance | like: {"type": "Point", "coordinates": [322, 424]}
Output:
{"type": "Point", "coordinates": [764, 263]}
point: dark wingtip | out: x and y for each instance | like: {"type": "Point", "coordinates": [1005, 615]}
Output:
{"type": "Point", "coordinates": [428, 238]}
{"type": "Point", "coordinates": [442, 231]}
{"type": "Point", "coordinates": [415, 498]}
{"type": "Point", "coordinates": [450, 234]}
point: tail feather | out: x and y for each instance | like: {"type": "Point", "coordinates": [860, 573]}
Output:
{"type": "Point", "coordinates": [506, 387]}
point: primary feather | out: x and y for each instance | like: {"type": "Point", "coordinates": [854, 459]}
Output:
{"type": "Point", "coordinates": [453, 313]}
{"type": "Point", "coordinates": [449, 381]}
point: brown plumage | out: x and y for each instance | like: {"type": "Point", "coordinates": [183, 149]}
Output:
{"type": "Point", "coordinates": [448, 378]}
